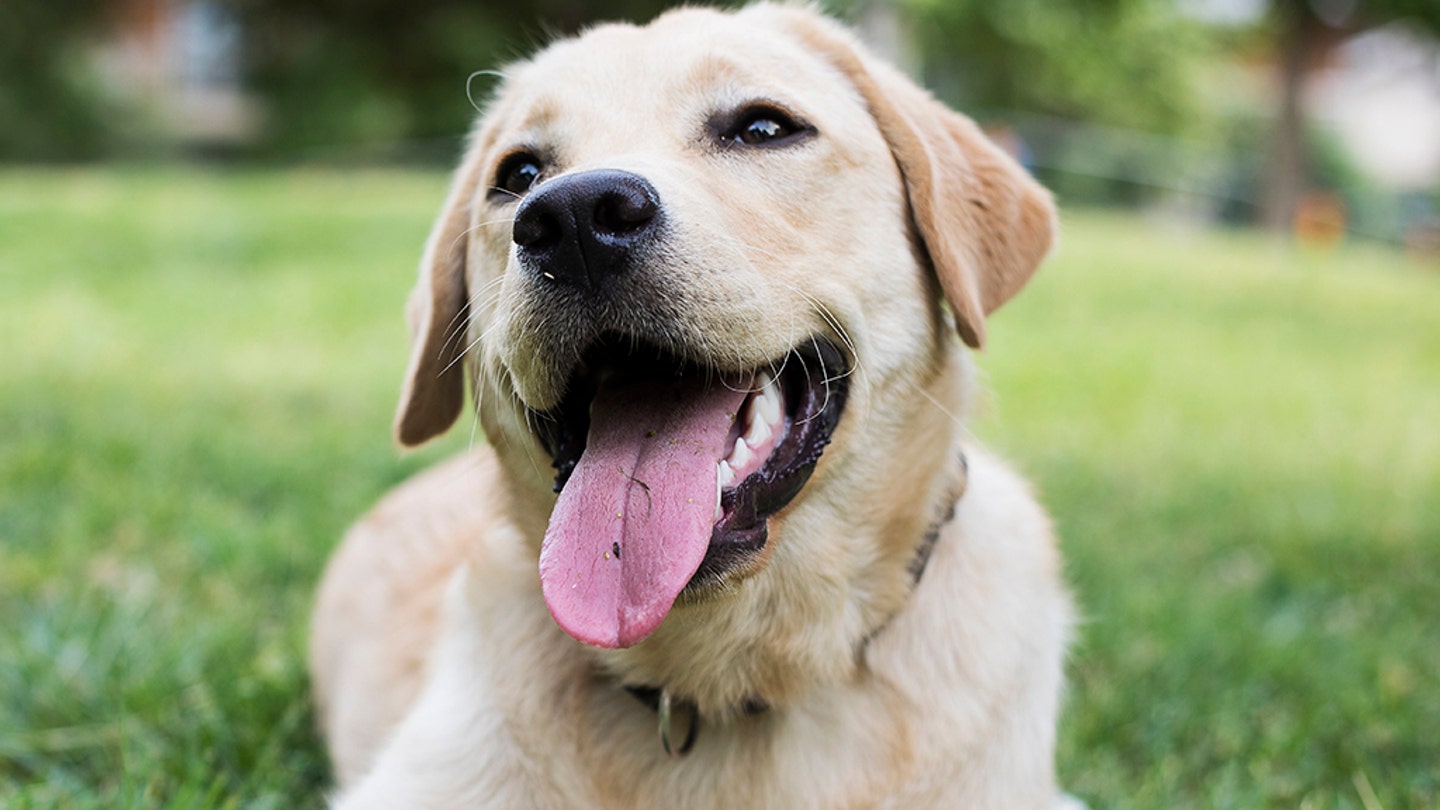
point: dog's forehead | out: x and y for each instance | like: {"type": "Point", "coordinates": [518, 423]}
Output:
{"type": "Point", "coordinates": [682, 65]}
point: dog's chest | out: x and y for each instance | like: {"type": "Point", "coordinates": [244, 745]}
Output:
{"type": "Point", "coordinates": [825, 753]}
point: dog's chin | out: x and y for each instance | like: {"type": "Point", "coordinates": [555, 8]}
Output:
{"type": "Point", "coordinates": [779, 417]}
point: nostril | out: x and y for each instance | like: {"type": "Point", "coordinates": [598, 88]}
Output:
{"type": "Point", "coordinates": [624, 210]}
{"type": "Point", "coordinates": [535, 229]}
{"type": "Point", "coordinates": [582, 228]}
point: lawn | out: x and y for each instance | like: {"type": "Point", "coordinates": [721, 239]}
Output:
{"type": "Point", "coordinates": [1240, 443]}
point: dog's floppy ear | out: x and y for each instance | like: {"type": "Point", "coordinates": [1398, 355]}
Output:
{"type": "Point", "coordinates": [985, 222]}
{"type": "Point", "coordinates": [434, 391]}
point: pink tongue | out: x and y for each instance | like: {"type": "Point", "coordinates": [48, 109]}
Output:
{"type": "Point", "coordinates": [634, 520]}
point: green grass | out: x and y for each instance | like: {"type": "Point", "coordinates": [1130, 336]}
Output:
{"type": "Point", "coordinates": [1240, 444]}
{"type": "Point", "coordinates": [198, 374]}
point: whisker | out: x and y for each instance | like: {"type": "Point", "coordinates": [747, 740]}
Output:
{"type": "Point", "coordinates": [959, 423]}
{"type": "Point", "coordinates": [479, 339]}
{"type": "Point", "coordinates": [469, 96]}
{"type": "Point", "coordinates": [459, 322]}
{"type": "Point", "coordinates": [477, 385]}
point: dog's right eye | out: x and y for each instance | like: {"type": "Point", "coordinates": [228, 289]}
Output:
{"type": "Point", "coordinates": [516, 175]}
{"type": "Point", "coordinates": [762, 125]}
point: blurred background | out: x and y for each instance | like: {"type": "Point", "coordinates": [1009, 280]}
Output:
{"type": "Point", "coordinates": [1320, 117]}
{"type": "Point", "coordinates": [1226, 384]}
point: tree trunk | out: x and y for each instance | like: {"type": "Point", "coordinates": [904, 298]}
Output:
{"type": "Point", "coordinates": [1287, 172]}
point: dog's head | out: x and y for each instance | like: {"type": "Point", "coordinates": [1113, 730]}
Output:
{"type": "Point", "coordinates": [678, 263]}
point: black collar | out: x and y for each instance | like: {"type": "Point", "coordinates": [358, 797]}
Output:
{"type": "Point", "coordinates": [932, 534]}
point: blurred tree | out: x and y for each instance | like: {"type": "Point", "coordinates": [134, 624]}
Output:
{"type": "Point", "coordinates": [50, 108]}
{"type": "Point", "coordinates": [1305, 33]}
{"type": "Point", "coordinates": [345, 71]}
{"type": "Point", "coordinates": [1126, 63]}
{"type": "Point", "coordinates": [337, 72]}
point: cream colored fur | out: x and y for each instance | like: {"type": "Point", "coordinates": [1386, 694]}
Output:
{"type": "Point", "coordinates": [443, 681]}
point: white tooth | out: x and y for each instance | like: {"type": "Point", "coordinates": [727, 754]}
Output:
{"type": "Point", "coordinates": [726, 475]}
{"type": "Point", "coordinates": [742, 454]}
{"type": "Point", "coordinates": [759, 431]}
{"type": "Point", "coordinates": [719, 513]}
{"type": "Point", "coordinates": [767, 405]}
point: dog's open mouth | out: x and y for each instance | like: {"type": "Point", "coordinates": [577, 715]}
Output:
{"type": "Point", "coordinates": [667, 472]}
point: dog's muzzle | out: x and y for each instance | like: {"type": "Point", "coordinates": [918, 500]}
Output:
{"type": "Point", "coordinates": [669, 465]}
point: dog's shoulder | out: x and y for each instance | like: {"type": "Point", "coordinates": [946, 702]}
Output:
{"type": "Point", "coordinates": [972, 654]}
{"type": "Point", "coordinates": [379, 605]}
{"type": "Point", "coordinates": [443, 494]}
{"type": "Point", "coordinates": [997, 558]}
{"type": "Point", "coordinates": [418, 532]}
{"type": "Point", "coordinates": [999, 507]}
{"type": "Point", "coordinates": [991, 602]}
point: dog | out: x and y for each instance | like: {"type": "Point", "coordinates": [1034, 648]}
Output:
{"type": "Point", "coordinates": [727, 543]}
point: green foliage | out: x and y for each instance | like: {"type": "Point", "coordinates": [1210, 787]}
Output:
{"type": "Point", "coordinates": [1237, 441]}
{"type": "Point", "coordinates": [337, 73]}
{"type": "Point", "coordinates": [49, 105]}
{"type": "Point", "coordinates": [334, 75]}
{"type": "Point", "coordinates": [1369, 13]}
{"type": "Point", "coordinates": [1119, 62]}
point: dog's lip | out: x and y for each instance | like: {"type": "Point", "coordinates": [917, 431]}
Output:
{"type": "Point", "coordinates": [814, 386]}
{"type": "Point", "coordinates": [808, 384]}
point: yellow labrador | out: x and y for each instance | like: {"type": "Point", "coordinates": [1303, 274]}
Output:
{"type": "Point", "coordinates": [729, 544]}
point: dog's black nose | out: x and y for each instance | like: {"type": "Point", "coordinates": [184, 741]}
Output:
{"type": "Point", "coordinates": [581, 228]}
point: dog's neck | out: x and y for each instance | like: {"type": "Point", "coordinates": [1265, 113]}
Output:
{"type": "Point", "coordinates": [676, 713]}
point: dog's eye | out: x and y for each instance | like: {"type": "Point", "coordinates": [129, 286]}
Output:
{"type": "Point", "coordinates": [765, 126]}
{"type": "Point", "coordinates": [762, 129]}
{"type": "Point", "coordinates": [517, 174]}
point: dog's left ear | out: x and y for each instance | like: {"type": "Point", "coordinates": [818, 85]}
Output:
{"type": "Point", "coordinates": [984, 221]}
{"type": "Point", "coordinates": [437, 312]}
